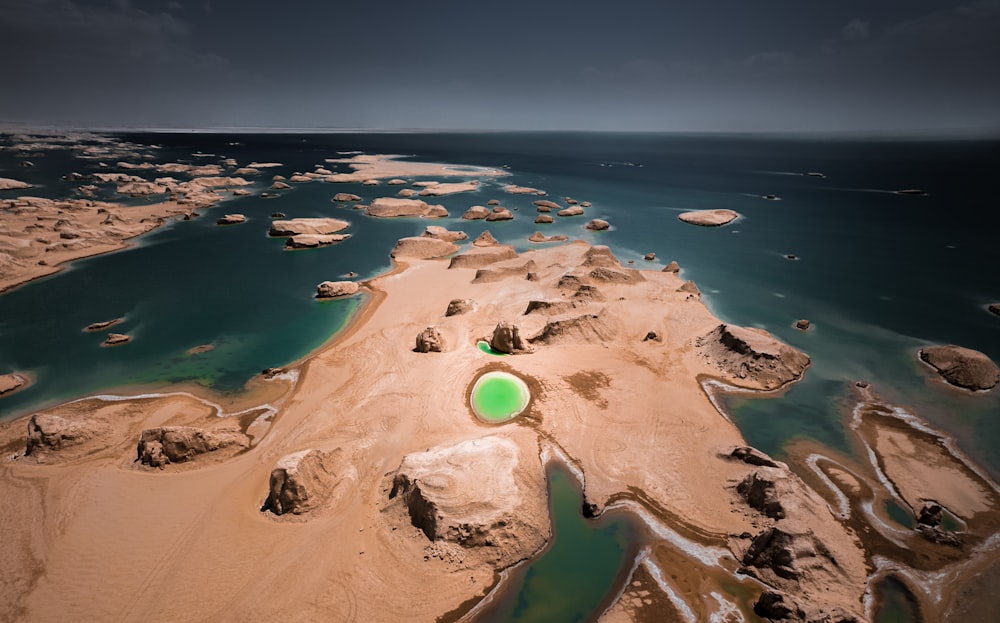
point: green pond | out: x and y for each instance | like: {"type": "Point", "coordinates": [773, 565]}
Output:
{"type": "Point", "coordinates": [499, 396]}
{"type": "Point", "coordinates": [486, 348]}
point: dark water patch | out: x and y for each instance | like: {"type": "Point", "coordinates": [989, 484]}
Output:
{"type": "Point", "coordinates": [899, 514]}
{"type": "Point", "coordinates": [580, 570]}
{"type": "Point", "coordinates": [895, 603]}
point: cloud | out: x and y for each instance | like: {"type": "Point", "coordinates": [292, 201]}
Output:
{"type": "Point", "coordinates": [856, 30]}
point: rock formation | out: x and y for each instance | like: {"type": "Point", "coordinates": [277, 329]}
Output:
{"type": "Point", "coordinates": [543, 219]}
{"type": "Point", "coordinates": [709, 218]}
{"type": "Point", "coordinates": [485, 239]}
{"type": "Point", "coordinates": [506, 338]}
{"type": "Point", "coordinates": [570, 211]}
{"type": "Point", "coordinates": [392, 207]}
{"type": "Point", "coordinates": [296, 226]}
{"type": "Point", "coordinates": [231, 219]}
{"type": "Point", "coordinates": [299, 482]}
{"type": "Point", "coordinates": [421, 247]}
{"type": "Point", "coordinates": [104, 324]}
{"type": "Point", "coordinates": [803, 325]}
{"type": "Point", "coordinates": [476, 213]}
{"type": "Point", "coordinates": [486, 495]}
{"type": "Point", "coordinates": [12, 382]}
{"type": "Point", "coordinates": [499, 214]}
{"type": "Point", "coordinates": [114, 339]}
{"type": "Point", "coordinates": [436, 231]}
{"type": "Point", "coordinates": [761, 491]}
{"type": "Point", "coordinates": [540, 237]}
{"type": "Point", "coordinates": [587, 328]}
{"type": "Point", "coordinates": [478, 257]}
{"type": "Point", "coordinates": [312, 241]}
{"type": "Point", "coordinates": [429, 341]}
{"type": "Point", "coordinates": [176, 444]}
{"type": "Point", "coordinates": [753, 355]}
{"type": "Point", "coordinates": [649, 257]}
{"type": "Point", "coordinates": [962, 367]}
{"type": "Point", "coordinates": [598, 225]}
{"type": "Point", "coordinates": [753, 456]}
{"type": "Point", "coordinates": [332, 289]}
{"type": "Point", "coordinates": [672, 267]}
{"type": "Point", "coordinates": [51, 433]}
{"type": "Point", "coordinates": [994, 308]}
{"type": "Point", "coordinates": [516, 269]}
{"type": "Point", "coordinates": [544, 205]}
{"type": "Point", "coordinates": [8, 184]}
{"type": "Point", "coordinates": [457, 307]}
{"type": "Point", "coordinates": [345, 197]}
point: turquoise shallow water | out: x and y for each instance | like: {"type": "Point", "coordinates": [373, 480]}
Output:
{"type": "Point", "coordinates": [878, 274]}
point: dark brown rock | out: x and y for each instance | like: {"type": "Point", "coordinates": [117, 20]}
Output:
{"type": "Point", "coordinates": [429, 341]}
{"type": "Point", "coordinates": [176, 444]}
{"type": "Point", "coordinates": [299, 482]}
{"type": "Point", "coordinates": [760, 493]}
{"type": "Point", "coordinates": [753, 456]}
{"type": "Point", "coordinates": [507, 339]}
{"type": "Point", "coordinates": [458, 306]}
{"type": "Point", "coordinates": [803, 325]}
{"type": "Point", "coordinates": [962, 367]}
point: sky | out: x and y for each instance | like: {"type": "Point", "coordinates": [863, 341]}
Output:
{"type": "Point", "coordinates": [630, 65]}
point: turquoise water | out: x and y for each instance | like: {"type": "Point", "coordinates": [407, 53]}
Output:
{"type": "Point", "coordinates": [579, 569]}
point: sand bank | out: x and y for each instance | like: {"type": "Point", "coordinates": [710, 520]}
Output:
{"type": "Point", "coordinates": [383, 166]}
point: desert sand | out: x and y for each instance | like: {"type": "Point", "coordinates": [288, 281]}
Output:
{"type": "Point", "coordinates": [360, 486]}
{"type": "Point", "coordinates": [37, 234]}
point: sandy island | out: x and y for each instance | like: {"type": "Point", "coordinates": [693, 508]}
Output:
{"type": "Point", "coordinates": [384, 166]}
{"type": "Point", "coordinates": [331, 482]}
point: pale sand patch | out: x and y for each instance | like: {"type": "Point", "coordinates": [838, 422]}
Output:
{"type": "Point", "coordinates": [921, 470]}
{"type": "Point", "coordinates": [382, 166]}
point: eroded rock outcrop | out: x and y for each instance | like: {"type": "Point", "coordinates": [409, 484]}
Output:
{"type": "Point", "coordinates": [598, 225]}
{"type": "Point", "coordinates": [436, 231]}
{"type": "Point", "coordinates": [479, 257]}
{"type": "Point", "coordinates": [763, 489]}
{"type": "Point", "coordinates": [296, 226]}
{"type": "Point", "coordinates": [589, 328]}
{"type": "Point", "coordinates": [499, 214]}
{"type": "Point", "coordinates": [231, 219]}
{"type": "Point", "coordinates": [753, 355]}
{"type": "Point", "coordinates": [177, 444]}
{"type": "Point", "coordinates": [421, 247]}
{"type": "Point", "coordinates": [457, 307]}
{"type": "Point", "coordinates": [52, 433]}
{"type": "Point", "coordinates": [486, 495]}
{"type": "Point", "coordinates": [962, 367]}
{"type": "Point", "coordinates": [8, 184]}
{"type": "Point", "coordinates": [300, 482]}
{"type": "Point", "coordinates": [10, 383]}
{"type": "Point", "coordinates": [506, 338]}
{"type": "Point", "coordinates": [333, 289]}
{"type": "Point", "coordinates": [393, 207]}
{"type": "Point", "coordinates": [429, 341]}
{"type": "Point", "coordinates": [116, 339]}
{"type": "Point", "coordinates": [312, 241]}
{"type": "Point", "coordinates": [476, 213]}
{"type": "Point", "coordinates": [507, 270]}
{"type": "Point", "coordinates": [540, 237]}
{"type": "Point", "coordinates": [346, 197]}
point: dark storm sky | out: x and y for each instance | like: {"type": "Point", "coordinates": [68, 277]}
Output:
{"type": "Point", "coordinates": [629, 65]}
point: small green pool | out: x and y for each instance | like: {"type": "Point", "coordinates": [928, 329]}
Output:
{"type": "Point", "coordinates": [499, 396]}
{"type": "Point", "coordinates": [486, 348]}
